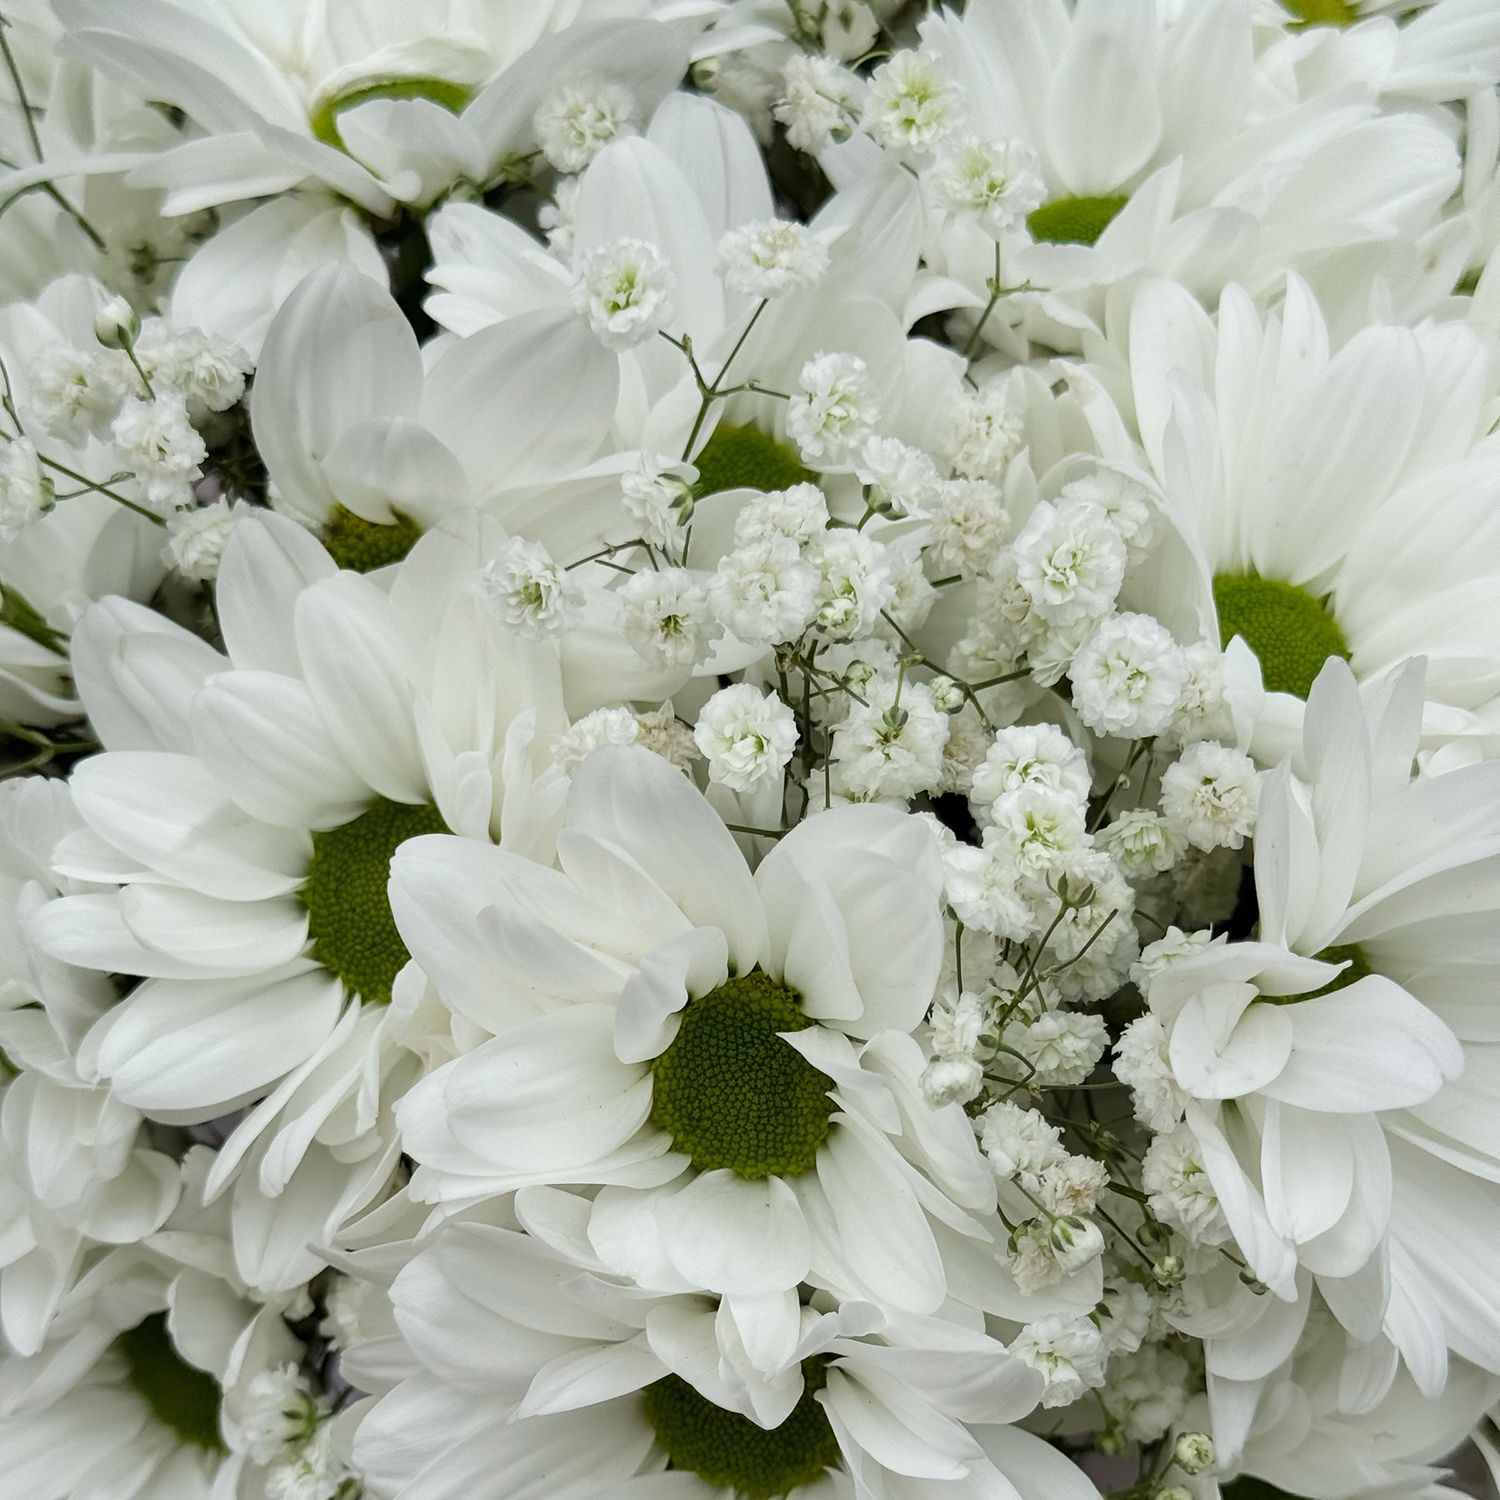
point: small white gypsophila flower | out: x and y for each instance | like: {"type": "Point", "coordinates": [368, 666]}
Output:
{"type": "Point", "coordinates": [74, 395]}
{"type": "Point", "coordinates": [279, 1412]}
{"type": "Point", "coordinates": [1029, 755]}
{"type": "Point", "coordinates": [1031, 1257]}
{"type": "Point", "coordinates": [959, 1018]}
{"type": "Point", "coordinates": [196, 538]}
{"type": "Point", "coordinates": [764, 593]}
{"type": "Point", "coordinates": [604, 726]}
{"type": "Point", "coordinates": [580, 119]}
{"type": "Point", "coordinates": [664, 614]}
{"type": "Point", "coordinates": [662, 732]}
{"type": "Point", "coordinates": [970, 525]}
{"type": "Point", "coordinates": [849, 27]}
{"type": "Point", "coordinates": [1124, 1315]}
{"type": "Point", "coordinates": [625, 290]}
{"type": "Point", "coordinates": [658, 496]}
{"type": "Point", "coordinates": [209, 374]}
{"type": "Point", "coordinates": [1070, 560]}
{"type": "Point", "coordinates": [555, 217]}
{"type": "Point", "coordinates": [912, 103]}
{"type": "Point", "coordinates": [903, 480]}
{"type": "Point", "coordinates": [1147, 1392]}
{"type": "Point", "coordinates": [854, 583]}
{"type": "Point", "coordinates": [1050, 652]}
{"type": "Point", "coordinates": [1129, 507]}
{"type": "Point", "coordinates": [995, 183]}
{"type": "Point", "coordinates": [1211, 795]}
{"type": "Point", "coordinates": [980, 886]}
{"type": "Point", "coordinates": [26, 494]}
{"type": "Point", "coordinates": [820, 102]}
{"type": "Point", "coordinates": [1073, 1185]}
{"type": "Point", "coordinates": [160, 445]}
{"type": "Point", "coordinates": [1204, 711]}
{"type": "Point", "coordinates": [1142, 1064]}
{"type": "Point", "coordinates": [985, 430]}
{"type": "Point", "coordinates": [1076, 1242]}
{"type": "Point", "coordinates": [954, 1079]}
{"type": "Point", "coordinates": [912, 596]}
{"type": "Point", "coordinates": [884, 751]}
{"type": "Point", "coordinates": [833, 410]}
{"type": "Point", "coordinates": [1062, 1046]}
{"type": "Point", "coordinates": [1142, 842]}
{"type": "Point", "coordinates": [344, 1309]}
{"type": "Point", "coordinates": [964, 749]}
{"type": "Point", "coordinates": [1172, 947]}
{"type": "Point", "coordinates": [1038, 827]}
{"type": "Point", "coordinates": [529, 592]}
{"type": "Point", "coordinates": [1128, 677]}
{"type": "Point", "coordinates": [1019, 1144]}
{"type": "Point", "coordinates": [1067, 1352]}
{"type": "Point", "coordinates": [772, 258]}
{"type": "Point", "coordinates": [116, 323]}
{"type": "Point", "coordinates": [1181, 1195]}
{"type": "Point", "coordinates": [313, 1472]}
{"type": "Point", "coordinates": [746, 736]}
{"type": "Point", "coordinates": [799, 513]}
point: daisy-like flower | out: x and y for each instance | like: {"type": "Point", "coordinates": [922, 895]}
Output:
{"type": "Point", "coordinates": [239, 829]}
{"type": "Point", "coordinates": [530, 1369]}
{"type": "Point", "coordinates": [732, 1053]}
{"type": "Point", "coordinates": [1291, 471]}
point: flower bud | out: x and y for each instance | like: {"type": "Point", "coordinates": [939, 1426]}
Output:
{"type": "Point", "coordinates": [946, 694]}
{"type": "Point", "coordinates": [952, 1080]}
{"type": "Point", "coordinates": [1174, 1492]}
{"type": "Point", "coordinates": [706, 73]}
{"type": "Point", "coordinates": [1194, 1452]}
{"type": "Point", "coordinates": [1075, 1242]}
{"type": "Point", "coordinates": [1169, 1270]}
{"type": "Point", "coordinates": [116, 324]}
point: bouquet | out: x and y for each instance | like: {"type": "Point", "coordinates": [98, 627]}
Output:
{"type": "Point", "coordinates": [752, 749]}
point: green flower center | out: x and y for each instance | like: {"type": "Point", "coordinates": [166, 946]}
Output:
{"type": "Point", "coordinates": [325, 118]}
{"type": "Point", "coordinates": [1321, 12]}
{"type": "Point", "coordinates": [732, 1093]}
{"type": "Point", "coordinates": [348, 912]}
{"type": "Point", "coordinates": [361, 546]}
{"type": "Point", "coordinates": [1290, 631]}
{"type": "Point", "coordinates": [737, 458]}
{"type": "Point", "coordinates": [1074, 221]}
{"type": "Point", "coordinates": [728, 1450]}
{"type": "Point", "coordinates": [180, 1396]}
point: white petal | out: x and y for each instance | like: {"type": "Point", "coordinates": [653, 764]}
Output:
{"type": "Point", "coordinates": [734, 1236]}
{"type": "Point", "coordinates": [648, 1010]}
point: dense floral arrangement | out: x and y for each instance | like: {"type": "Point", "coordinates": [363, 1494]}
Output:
{"type": "Point", "coordinates": [752, 748]}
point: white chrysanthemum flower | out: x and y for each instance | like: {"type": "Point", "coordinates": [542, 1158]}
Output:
{"type": "Point", "coordinates": [1067, 1352]}
{"type": "Point", "coordinates": [995, 183]}
{"type": "Point", "coordinates": [1142, 842]}
{"type": "Point", "coordinates": [912, 103]}
{"type": "Point", "coordinates": [765, 592]}
{"type": "Point", "coordinates": [833, 410]}
{"type": "Point", "coordinates": [26, 494]}
{"type": "Point", "coordinates": [1141, 1062]}
{"type": "Point", "coordinates": [1029, 755]}
{"type": "Point", "coordinates": [160, 444]}
{"type": "Point", "coordinates": [970, 526]}
{"type": "Point", "coordinates": [854, 583]}
{"type": "Point", "coordinates": [1182, 1193]}
{"type": "Point", "coordinates": [664, 614]}
{"type": "Point", "coordinates": [1210, 795]}
{"type": "Point", "coordinates": [1128, 677]}
{"type": "Point", "coordinates": [773, 258]}
{"type": "Point", "coordinates": [609, 1382]}
{"type": "Point", "coordinates": [887, 751]}
{"type": "Point", "coordinates": [1071, 562]}
{"type": "Point", "coordinates": [820, 101]}
{"type": "Point", "coordinates": [626, 290]}
{"type": "Point", "coordinates": [196, 538]}
{"type": "Point", "coordinates": [698, 1026]}
{"type": "Point", "coordinates": [529, 592]}
{"type": "Point", "coordinates": [747, 737]}
{"type": "Point", "coordinates": [799, 513]}
{"type": "Point", "coordinates": [577, 121]}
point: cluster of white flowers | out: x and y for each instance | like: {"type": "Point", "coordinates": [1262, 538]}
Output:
{"type": "Point", "coordinates": [748, 750]}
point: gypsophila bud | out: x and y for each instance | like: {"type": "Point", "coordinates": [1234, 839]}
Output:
{"type": "Point", "coordinates": [530, 593]}
{"type": "Point", "coordinates": [116, 324]}
{"type": "Point", "coordinates": [1075, 1242]}
{"type": "Point", "coordinates": [946, 693]}
{"type": "Point", "coordinates": [952, 1080]}
{"type": "Point", "coordinates": [658, 495]}
{"type": "Point", "coordinates": [772, 258]}
{"type": "Point", "coordinates": [1193, 1452]}
{"type": "Point", "coordinates": [625, 290]}
{"type": "Point", "coordinates": [580, 119]}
